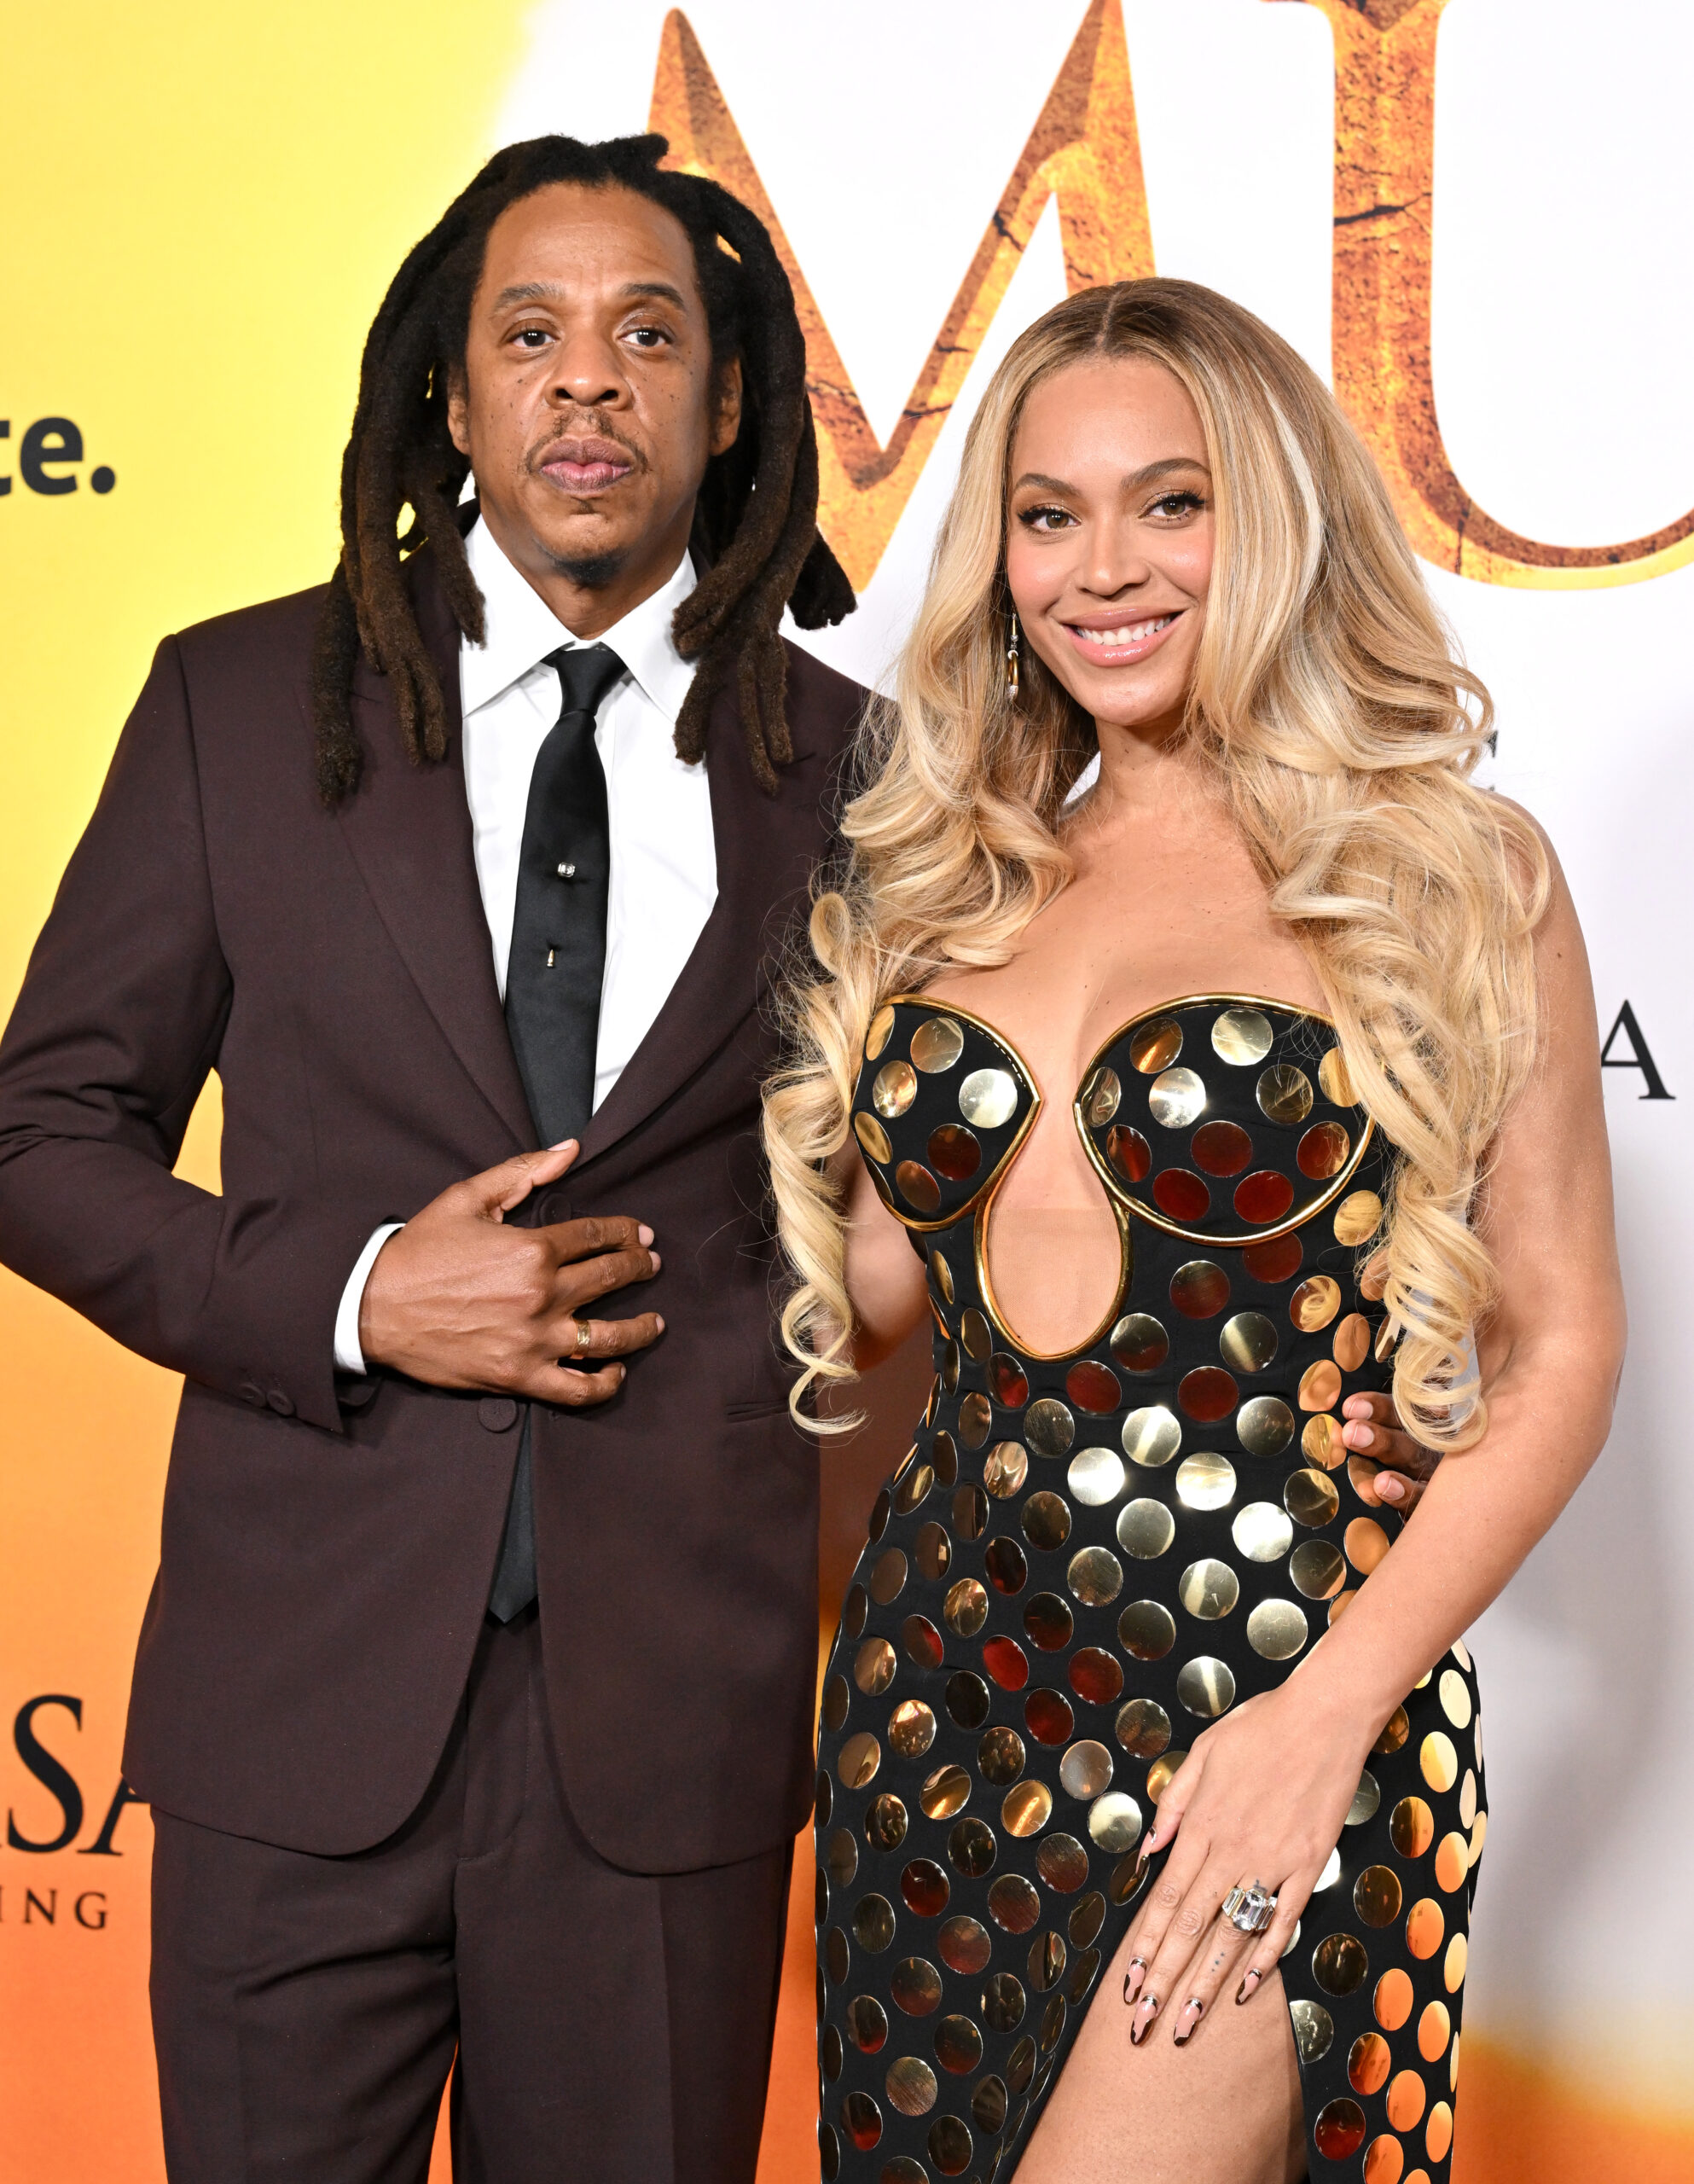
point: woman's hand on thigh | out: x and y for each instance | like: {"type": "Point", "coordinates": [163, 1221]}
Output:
{"type": "Point", "coordinates": [1260, 1801]}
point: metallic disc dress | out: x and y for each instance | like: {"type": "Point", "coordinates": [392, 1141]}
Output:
{"type": "Point", "coordinates": [1084, 1561]}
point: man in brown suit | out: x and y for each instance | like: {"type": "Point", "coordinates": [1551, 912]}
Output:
{"type": "Point", "coordinates": [473, 1698]}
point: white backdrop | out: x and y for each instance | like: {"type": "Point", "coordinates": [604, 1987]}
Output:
{"type": "Point", "coordinates": [1563, 238]}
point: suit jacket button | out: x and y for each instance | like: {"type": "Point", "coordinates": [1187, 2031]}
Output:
{"type": "Point", "coordinates": [498, 1413]}
{"type": "Point", "coordinates": [252, 1392]}
{"type": "Point", "coordinates": [280, 1403]}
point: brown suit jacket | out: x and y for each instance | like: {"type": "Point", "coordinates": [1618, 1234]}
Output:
{"type": "Point", "coordinates": [327, 1549]}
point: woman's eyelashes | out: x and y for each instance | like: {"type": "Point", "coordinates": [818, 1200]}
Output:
{"type": "Point", "coordinates": [1046, 518]}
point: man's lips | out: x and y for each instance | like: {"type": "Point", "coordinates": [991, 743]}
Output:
{"type": "Point", "coordinates": [1120, 642]}
{"type": "Point", "coordinates": [586, 466]}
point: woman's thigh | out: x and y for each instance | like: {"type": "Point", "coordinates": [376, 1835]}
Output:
{"type": "Point", "coordinates": [1224, 2109]}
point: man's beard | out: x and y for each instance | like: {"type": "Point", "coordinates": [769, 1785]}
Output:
{"type": "Point", "coordinates": [593, 571]}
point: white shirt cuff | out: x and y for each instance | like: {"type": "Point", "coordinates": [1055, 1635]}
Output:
{"type": "Point", "coordinates": [349, 1358]}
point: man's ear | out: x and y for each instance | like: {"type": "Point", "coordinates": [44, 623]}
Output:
{"type": "Point", "coordinates": [459, 410]}
{"type": "Point", "coordinates": [726, 421]}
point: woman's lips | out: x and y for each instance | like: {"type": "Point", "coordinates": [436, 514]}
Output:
{"type": "Point", "coordinates": [1124, 641]}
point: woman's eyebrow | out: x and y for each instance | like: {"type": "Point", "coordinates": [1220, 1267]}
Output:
{"type": "Point", "coordinates": [1147, 475]}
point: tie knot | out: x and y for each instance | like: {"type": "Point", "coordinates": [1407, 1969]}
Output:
{"type": "Point", "coordinates": [586, 674]}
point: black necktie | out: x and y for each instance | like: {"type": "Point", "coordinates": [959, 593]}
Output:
{"type": "Point", "coordinates": [554, 975]}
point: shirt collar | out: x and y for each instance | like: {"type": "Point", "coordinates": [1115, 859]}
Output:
{"type": "Point", "coordinates": [523, 630]}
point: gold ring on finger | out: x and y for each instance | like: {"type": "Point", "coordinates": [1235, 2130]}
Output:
{"type": "Point", "coordinates": [585, 1337]}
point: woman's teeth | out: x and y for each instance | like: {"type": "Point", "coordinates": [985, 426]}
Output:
{"type": "Point", "coordinates": [1131, 633]}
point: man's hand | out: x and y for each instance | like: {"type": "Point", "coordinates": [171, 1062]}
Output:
{"type": "Point", "coordinates": [459, 1300]}
{"type": "Point", "coordinates": [1384, 1463]}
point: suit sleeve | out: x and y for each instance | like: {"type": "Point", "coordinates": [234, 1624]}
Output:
{"type": "Point", "coordinates": [119, 1022]}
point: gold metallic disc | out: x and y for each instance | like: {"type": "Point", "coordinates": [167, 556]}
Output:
{"type": "Point", "coordinates": [1208, 1589]}
{"type": "Point", "coordinates": [1146, 1628]}
{"type": "Point", "coordinates": [1334, 1082]}
{"type": "Point", "coordinates": [1241, 1037]}
{"type": "Point", "coordinates": [1152, 1437]}
{"type": "Point", "coordinates": [1178, 1098]}
{"type": "Point", "coordinates": [894, 1090]}
{"type": "Point", "coordinates": [1143, 1729]}
{"type": "Point", "coordinates": [1085, 1771]}
{"type": "Point", "coordinates": [873, 1667]}
{"type": "Point", "coordinates": [1146, 1529]}
{"type": "Point", "coordinates": [1096, 1477]}
{"type": "Point", "coordinates": [1026, 1809]}
{"type": "Point", "coordinates": [1320, 1441]}
{"type": "Point", "coordinates": [1115, 1823]}
{"type": "Point", "coordinates": [911, 1728]}
{"type": "Point", "coordinates": [1277, 1629]}
{"type": "Point", "coordinates": [1140, 1342]}
{"type": "Point", "coordinates": [1204, 1481]}
{"type": "Point", "coordinates": [1155, 1046]}
{"type": "Point", "coordinates": [1264, 1426]}
{"type": "Point", "coordinates": [1358, 1218]}
{"type": "Point", "coordinates": [937, 1044]}
{"type": "Point", "coordinates": [1319, 1385]}
{"type": "Point", "coordinates": [1352, 1343]}
{"type": "Point", "coordinates": [858, 1760]}
{"type": "Point", "coordinates": [1161, 1772]}
{"type": "Point", "coordinates": [988, 1098]}
{"type": "Point", "coordinates": [1311, 1498]}
{"type": "Point", "coordinates": [1049, 1427]}
{"type": "Point", "coordinates": [1206, 1686]}
{"type": "Point", "coordinates": [1314, 2029]}
{"type": "Point", "coordinates": [1284, 1094]}
{"type": "Point", "coordinates": [1314, 1304]}
{"type": "Point", "coordinates": [911, 2086]}
{"type": "Point", "coordinates": [965, 1608]}
{"type": "Point", "coordinates": [1317, 1570]}
{"type": "Point", "coordinates": [1095, 1575]}
{"type": "Point", "coordinates": [1262, 1532]}
{"type": "Point", "coordinates": [1247, 1343]}
{"type": "Point", "coordinates": [873, 1136]}
{"type": "Point", "coordinates": [1004, 1468]}
{"type": "Point", "coordinates": [1100, 1096]}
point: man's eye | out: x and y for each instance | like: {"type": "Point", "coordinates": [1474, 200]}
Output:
{"type": "Point", "coordinates": [531, 337]}
{"type": "Point", "coordinates": [648, 337]}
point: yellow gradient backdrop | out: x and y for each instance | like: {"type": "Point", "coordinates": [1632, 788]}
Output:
{"type": "Point", "coordinates": [203, 206]}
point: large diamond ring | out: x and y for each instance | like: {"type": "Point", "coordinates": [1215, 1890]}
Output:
{"type": "Point", "coordinates": [1249, 1910]}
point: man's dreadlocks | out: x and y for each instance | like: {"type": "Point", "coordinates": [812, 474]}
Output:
{"type": "Point", "coordinates": [754, 535]}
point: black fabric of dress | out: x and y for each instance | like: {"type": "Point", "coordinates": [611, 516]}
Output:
{"type": "Point", "coordinates": [1084, 1561]}
{"type": "Point", "coordinates": [554, 971]}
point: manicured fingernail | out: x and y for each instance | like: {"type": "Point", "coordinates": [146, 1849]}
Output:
{"type": "Point", "coordinates": [1133, 1978]}
{"type": "Point", "coordinates": [659, 1322]}
{"type": "Point", "coordinates": [1357, 1433]}
{"type": "Point", "coordinates": [1389, 1487]}
{"type": "Point", "coordinates": [1249, 1988]}
{"type": "Point", "coordinates": [645, 1233]}
{"type": "Point", "coordinates": [1147, 2011]}
{"type": "Point", "coordinates": [563, 1146]}
{"type": "Point", "coordinates": [1192, 2014]}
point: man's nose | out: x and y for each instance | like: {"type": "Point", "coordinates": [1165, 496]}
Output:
{"type": "Point", "coordinates": [587, 375]}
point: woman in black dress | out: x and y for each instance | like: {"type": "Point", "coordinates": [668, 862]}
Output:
{"type": "Point", "coordinates": [1200, 1109]}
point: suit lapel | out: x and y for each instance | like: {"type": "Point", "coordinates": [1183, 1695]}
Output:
{"type": "Point", "coordinates": [410, 830]}
{"type": "Point", "coordinates": [763, 846]}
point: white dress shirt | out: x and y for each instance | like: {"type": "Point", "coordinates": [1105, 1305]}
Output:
{"type": "Point", "coordinates": [663, 855]}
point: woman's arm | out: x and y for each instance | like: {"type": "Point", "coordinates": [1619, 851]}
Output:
{"type": "Point", "coordinates": [1266, 1792]}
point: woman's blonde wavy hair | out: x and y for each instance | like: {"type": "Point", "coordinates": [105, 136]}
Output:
{"type": "Point", "coordinates": [1344, 733]}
